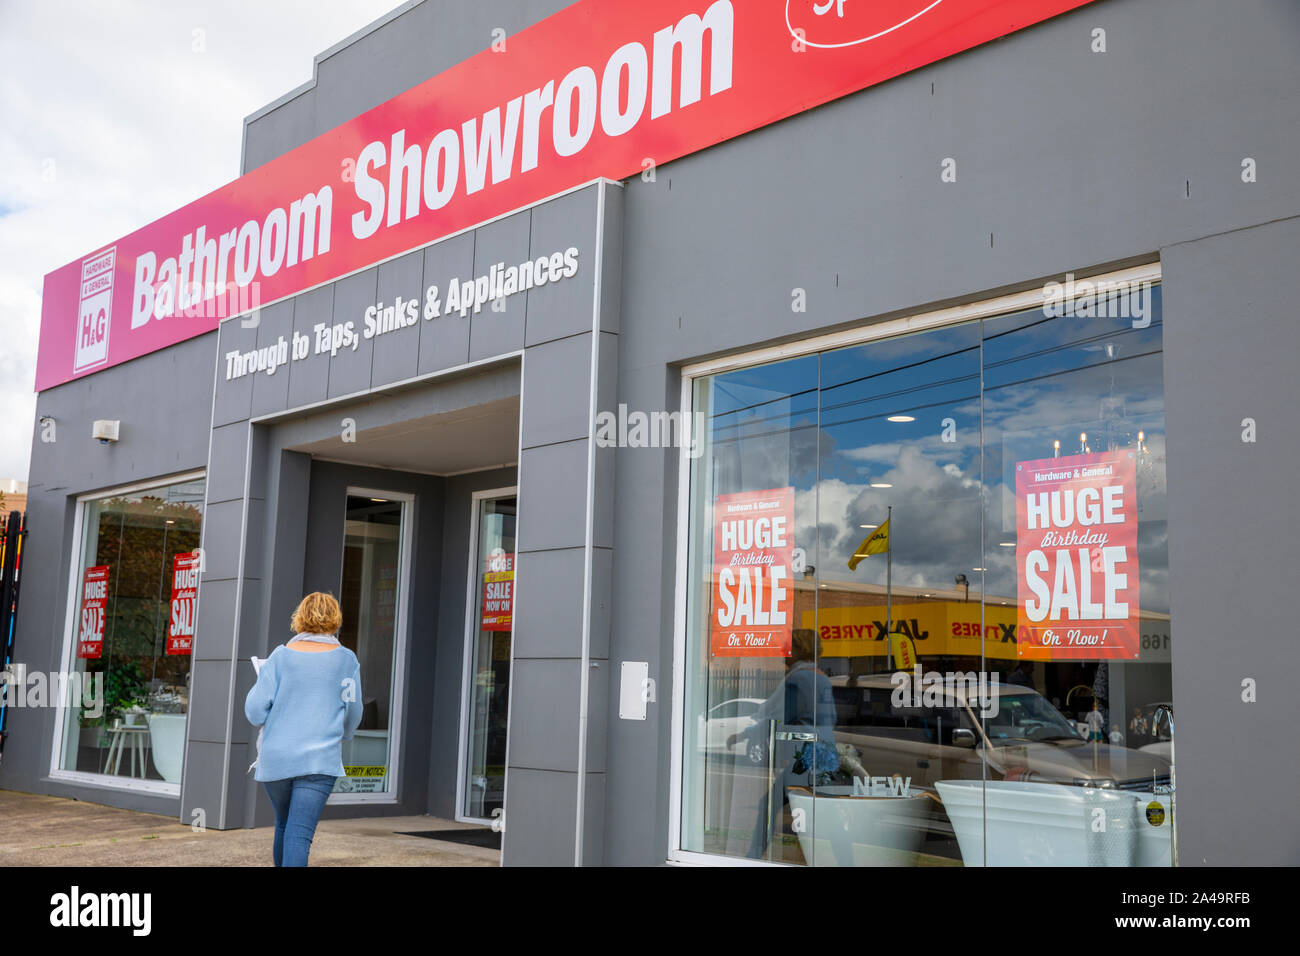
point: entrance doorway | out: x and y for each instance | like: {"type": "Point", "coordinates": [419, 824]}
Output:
{"type": "Point", "coordinates": [373, 588]}
{"type": "Point", "coordinates": [489, 619]}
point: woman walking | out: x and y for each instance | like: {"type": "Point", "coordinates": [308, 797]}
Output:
{"type": "Point", "coordinates": [307, 700]}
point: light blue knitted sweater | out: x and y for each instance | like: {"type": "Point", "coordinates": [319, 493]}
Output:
{"type": "Point", "coordinates": [307, 703]}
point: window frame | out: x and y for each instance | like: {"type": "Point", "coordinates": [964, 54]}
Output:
{"type": "Point", "coordinates": [976, 309]}
{"type": "Point", "coordinates": [76, 553]}
{"type": "Point", "coordinates": [470, 631]}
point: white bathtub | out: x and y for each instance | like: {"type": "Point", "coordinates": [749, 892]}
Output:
{"type": "Point", "coordinates": [1049, 824]}
{"type": "Point", "coordinates": [844, 830]}
{"type": "Point", "coordinates": [167, 744]}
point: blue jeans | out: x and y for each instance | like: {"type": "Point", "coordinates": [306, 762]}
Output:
{"type": "Point", "coordinates": [298, 802]}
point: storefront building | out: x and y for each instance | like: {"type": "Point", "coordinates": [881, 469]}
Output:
{"type": "Point", "coordinates": [850, 444]}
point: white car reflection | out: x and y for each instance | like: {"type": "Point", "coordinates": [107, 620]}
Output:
{"type": "Point", "coordinates": [730, 717]}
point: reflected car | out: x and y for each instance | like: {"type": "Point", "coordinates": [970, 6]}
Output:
{"type": "Point", "coordinates": [1026, 739]}
{"type": "Point", "coordinates": [733, 716]}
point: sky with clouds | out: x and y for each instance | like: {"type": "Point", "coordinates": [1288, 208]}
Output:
{"type": "Point", "coordinates": [114, 113]}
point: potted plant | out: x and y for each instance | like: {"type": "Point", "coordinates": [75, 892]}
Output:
{"type": "Point", "coordinates": [124, 690]}
{"type": "Point", "coordinates": [134, 711]}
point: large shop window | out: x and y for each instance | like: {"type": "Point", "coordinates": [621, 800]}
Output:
{"type": "Point", "coordinates": [134, 600]}
{"type": "Point", "coordinates": [927, 606]}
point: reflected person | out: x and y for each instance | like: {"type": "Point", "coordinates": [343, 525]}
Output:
{"type": "Point", "coordinates": [801, 703]}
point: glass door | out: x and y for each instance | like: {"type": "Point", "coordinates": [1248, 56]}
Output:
{"type": "Point", "coordinates": [489, 623]}
{"type": "Point", "coordinates": [372, 598]}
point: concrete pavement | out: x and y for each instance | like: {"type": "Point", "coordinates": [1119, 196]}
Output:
{"type": "Point", "coordinates": [39, 830]}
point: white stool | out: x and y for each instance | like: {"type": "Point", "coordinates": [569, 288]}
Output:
{"type": "Point", "coordinates": [121, 736]}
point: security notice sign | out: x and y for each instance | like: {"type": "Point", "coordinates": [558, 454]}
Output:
{"type": "Point", "coordinates": [185, 596]}
{"type": "Point", "coordinates": [753, 601]}
{"type": "Point", "coordinates": [94, 604]}
{"type": "Point", "coordinates": [1076, 550]}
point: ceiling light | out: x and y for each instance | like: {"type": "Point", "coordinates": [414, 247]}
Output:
{"type": "Point", "coordinates": [868, 526]}
{"type": "Point", "coordinates": [979, 569]}
{"type": "Point", "coordinates": [1006, 544]}
{"type": "Point", "coordinates": [881, 484]}
{"type": "Point", "coordinates": [901, 418]}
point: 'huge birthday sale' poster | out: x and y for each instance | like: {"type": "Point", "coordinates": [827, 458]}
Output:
{"type": "Point", "coordinates": [753, 600]}
{"type": "Point", "coordinates": [1076, 551]}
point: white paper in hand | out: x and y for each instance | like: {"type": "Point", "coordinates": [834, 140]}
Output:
{"type": "Point", "coordinates": [257, 669]}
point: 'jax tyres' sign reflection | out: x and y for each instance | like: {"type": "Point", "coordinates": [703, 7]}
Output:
{"type": "Point", "coordinates": [753, 552]}
{"type": "Point", "coordinates": [94, 605]}
{"type": "Point", "coordinates": [185, 596]}
{"type": "Point", "coordinates": [1076, 556]}
{"type": "Point", "coordinates": [603, 88]}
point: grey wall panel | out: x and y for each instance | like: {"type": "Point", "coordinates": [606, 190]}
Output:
{"type": "Point", "coordinates": [540, 818]}
{"type": "Point", "coordinates": [223, 537]}
{"type": "Point", "coordinates": [229, 451]}
{"type": "Point", "coordinates": [309, 377]}
{"type": "Point", "coordinates": [288, 547]}
{"type": "Point", "coordinates": [218, 598]}
{"type": "Point", "coordinates": [1231, 342]}
{"type": "Point", "coordinates": [258, 632]}
{"type": "Point", "coordinates": [290, 124]}
{"type": "Point", "coordinates": [444, 340]}
{"type": "Point", "coordinates": [427, 39]}
{"type": "Point", "coordinates": [209, 718]}
{"type": "Point", "coordinates": [602, 604]}
{"type": "Point", "coordinates": [556, 370]}
{"type": "Point", "coordinates": [611, 280]}
{"type": "Point", "coordinates": [201, 783]}
{"type": "Point", "coordinates": [563, 308]}
{"type": "Point", "coordinates": [557, 630]}
{"type": "Point", "coordinates": [397, 353]}
{"type": "Point", "coordinates": [552, 496]}
{"type": "Point", "coordinates": [271, 392]}
{"type": "Point", "coordinates": [233, 399]}
{"type": "Point", "coordinates": [350, 368]}
{"type": "Point", "coordinates": [544, 713]}
{"type": "Point", "coordinates": [493, 332]}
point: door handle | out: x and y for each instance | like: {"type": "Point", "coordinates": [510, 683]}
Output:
{"type": "Point", "coordinates": [795, 735]}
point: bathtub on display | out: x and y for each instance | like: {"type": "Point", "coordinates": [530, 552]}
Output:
{"type": "Point", "coordinates": [1050, 824]}
{"type": "Point", "coordinates": [847, 830]}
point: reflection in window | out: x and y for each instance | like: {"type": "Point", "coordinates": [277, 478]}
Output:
{"type": "Point", "coordinates": [135, 583]}
{"type": "Point", "coordinates": [850, 754]}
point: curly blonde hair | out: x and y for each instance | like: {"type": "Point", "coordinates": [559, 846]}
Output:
{"type": "Point", "coordinates": [317, 613]}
